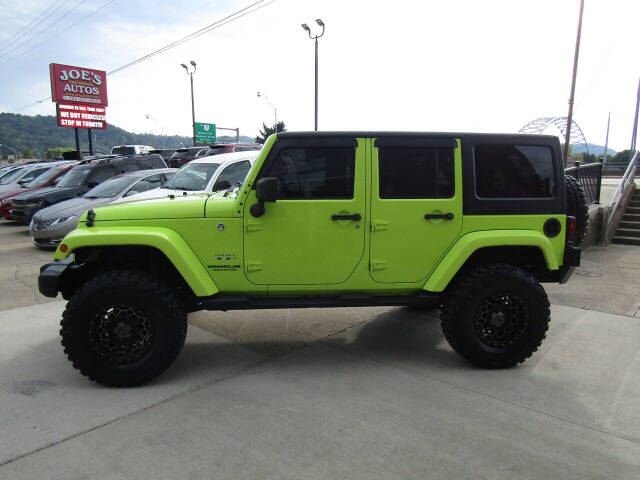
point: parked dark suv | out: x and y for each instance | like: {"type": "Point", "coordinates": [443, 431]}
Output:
{"type": "Point", "coordinates": [80, 179]}
{"type": "Point", "coordinates": [185, 155]}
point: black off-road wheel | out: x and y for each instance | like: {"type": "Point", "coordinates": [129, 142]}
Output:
{"type": "Point", "coordinates": [123, 328]}
{"type": "Point", "coordinates": [495, 315]}
{"type": "Point", "coordinates": [577, 207]}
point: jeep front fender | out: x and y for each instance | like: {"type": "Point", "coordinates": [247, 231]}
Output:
{"type": "Point", "coordinates": [457, 255]}
{"type": "Point", "coordinates": [164, 239]}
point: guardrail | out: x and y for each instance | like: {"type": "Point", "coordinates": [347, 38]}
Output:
{"type": "Point", "coordinates": [590, 177]}
{"type": "Point", "coordinates": [628, 178]}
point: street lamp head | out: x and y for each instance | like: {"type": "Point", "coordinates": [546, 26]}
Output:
{"type": "Point", "coordinates": [193, 63]}
{"type": "Point", "coordinates": [319, 22]}
{"type": "Point", "coordinates": [306, 27]}
{"type": "Point", "coordinates": [184, 66]}
{"type": "Point", "coordinates": [258, 94]}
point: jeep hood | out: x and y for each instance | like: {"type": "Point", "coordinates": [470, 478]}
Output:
{"type": "Point", "coordinates": [191, 206]}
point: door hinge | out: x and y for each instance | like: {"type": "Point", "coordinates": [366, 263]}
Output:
{"type": "Point", "coordinates": [253, 266]}
{"type": "Point", "coordinates": [250, 226]}
{"type": "Point", "coordinates": [377, 265]}
{"type": "Point", "coordinates": [377, 225]}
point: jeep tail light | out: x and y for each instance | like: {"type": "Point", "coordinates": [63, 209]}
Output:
{"type": "Point", "coordinates": [571, 229]}
{"type": "Point", "coordinates": [64, 248]}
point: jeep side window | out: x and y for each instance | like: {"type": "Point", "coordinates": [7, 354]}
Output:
{"type": "Point", "coordinates": [234, 173]}
{"type": "Point", "coordinates": [416, 172]}
{"type": "Point", "coordinates": [314, 172]}
{"type": "Point", "coordinates": [512, 171]}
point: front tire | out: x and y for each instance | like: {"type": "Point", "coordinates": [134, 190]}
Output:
{"type": "Point", "coordinates": [495, 315]}
{"type": "Point", "coordinates": [123, 328]}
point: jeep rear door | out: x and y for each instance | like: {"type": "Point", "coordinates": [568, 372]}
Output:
{"type": "Point", "coordinates": [416, 205]}
{"type": "Point", "coordinates": [313, 233]}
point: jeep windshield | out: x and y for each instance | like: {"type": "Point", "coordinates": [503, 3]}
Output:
{"type": "Point", "coordinates": [74, 177]}
{"type": "Point", "coordinates": [192, 177]}
{"type": "Point", "coordinates": [110, 188]}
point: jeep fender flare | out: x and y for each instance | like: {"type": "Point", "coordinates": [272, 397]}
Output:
{"type": "Point", "coordinates": [466, 245]}
{"type": "Point", "coordinates": [169, 242]}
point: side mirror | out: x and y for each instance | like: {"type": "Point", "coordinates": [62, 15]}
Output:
{"type": "Point", "coordinates": [92, 184]}
{"type": "Point", "coordinates": [267, 190]}
{"type": "Point", "coordinates": [221, 185]}
{"type": "Point", "coordinates": [22, 182]}
{"type": "Point", "coordinates": [131, 192]}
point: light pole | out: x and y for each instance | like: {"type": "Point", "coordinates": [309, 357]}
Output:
{"type": "Point", "coordinates": [315, 38]}
{"type": "Point", "coordinates": [193, 108]}
{"type": "Point", "coordinates": [275, 112]}
{"type": "Point", "coordinates": [149, 117]}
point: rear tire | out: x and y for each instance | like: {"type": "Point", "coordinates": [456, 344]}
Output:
{"type": "Point", "coordinates": [495, 315]}
{"type": "Point", "coordinates": [123, 328]}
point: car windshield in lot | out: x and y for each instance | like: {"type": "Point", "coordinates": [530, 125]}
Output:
{"type": "Point", "coordinates": [45, 177]}
{"type": "Point", "coordinates": [191, 177]}
{"type": "Point", "coordinates": [74, 177]}
{"type": "Point", "coordinates": [12, 176]}
{"type": "Point", "coordinates": [123, 151]}
{"type": "Point", "coordinates": [111, 188]}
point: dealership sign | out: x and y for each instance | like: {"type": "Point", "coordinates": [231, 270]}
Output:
{"type": "Point", "coordinates": [81, 116]}
{"type": "Point", "coordinates": [79, 85]}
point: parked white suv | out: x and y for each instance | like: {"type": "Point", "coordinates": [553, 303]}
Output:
{"type": "Point", "coordinates": [204, 175]}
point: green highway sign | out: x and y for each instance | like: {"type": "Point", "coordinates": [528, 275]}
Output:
{"type": "Point", "coordinates": [205, 132]}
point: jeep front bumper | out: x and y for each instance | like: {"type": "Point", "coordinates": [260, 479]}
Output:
{"type": "Point", "coordinates": [49, 280]}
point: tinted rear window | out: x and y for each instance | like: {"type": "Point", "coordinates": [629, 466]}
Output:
{"type": "Point", "coordinates": [123, 151]}
{"type": "Point", "coordinates": [514, 171]}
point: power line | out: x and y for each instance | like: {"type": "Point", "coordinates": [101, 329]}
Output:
{"type": "Point", "coordinates": [32, 24]}
{"type": "Point", "coordinates": [44, 29]}
{"type": "Point", "coordinates": [212, 26]}
{"type": "Point", "coordinates": [60, 32]}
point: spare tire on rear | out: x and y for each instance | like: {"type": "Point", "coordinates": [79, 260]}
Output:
{"type": "Point", "coordinates": [577, 207]}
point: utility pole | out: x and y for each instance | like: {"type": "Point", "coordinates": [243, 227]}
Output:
{"type": "Point", "coordinates": [567, 137]}
{"type": "Point", "coordinates": [315, 38]}
{"type": "Point", "coordinates": [606, 142]}
{"type": "Point", "coordinates": [193, 108]}
{"type": "Point", "coordinates": [635, 123]}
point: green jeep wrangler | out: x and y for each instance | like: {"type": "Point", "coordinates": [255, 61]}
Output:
{"type": "Point", "coordinates": [468, 223]}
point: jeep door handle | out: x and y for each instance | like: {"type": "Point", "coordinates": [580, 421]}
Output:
{"type": "Point", "coordinates": [355, 216]}
{"type": "Point", "coordinates": [438, 216]}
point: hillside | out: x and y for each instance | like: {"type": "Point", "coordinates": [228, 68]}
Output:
{"type": "Point", "coordinates": [39, 133]}
{"type": "Point", "coordinates": [593, 149]}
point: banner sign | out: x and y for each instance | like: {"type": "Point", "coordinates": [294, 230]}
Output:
{"type": "Point", "coordinates": [81, 116]}
{"type": "Point", "coordinates": [205, 132]}
{"type": "Point", "coordinates": [78, 85]}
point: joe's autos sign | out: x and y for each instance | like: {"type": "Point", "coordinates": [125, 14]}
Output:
{"type": "Point", "coordinates": [81, 116]}
{"type": "Point", "coordinates": [81, 85]}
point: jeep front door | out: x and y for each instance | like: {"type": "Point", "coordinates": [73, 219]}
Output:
{"type": "Point", "coordinates": [416, 206]}
{"type": "Point", "coordinates": [312, 234]}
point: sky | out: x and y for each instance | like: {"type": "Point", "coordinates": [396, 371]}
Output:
{"type": "Point", "coordinates": [455, 65]}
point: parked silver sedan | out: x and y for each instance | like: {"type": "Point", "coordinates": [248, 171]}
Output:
{"type": "Point", "coordinates": [49, 225]}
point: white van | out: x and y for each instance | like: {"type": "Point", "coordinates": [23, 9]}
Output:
{"type": "Point", "coordinates": [128, 150]}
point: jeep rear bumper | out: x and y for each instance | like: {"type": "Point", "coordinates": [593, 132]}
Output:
{"type": "Point", "coordinates": [51, 274]}
{"type": "Point", "coordinates": [570, 261]}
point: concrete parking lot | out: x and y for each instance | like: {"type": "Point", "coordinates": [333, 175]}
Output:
{"type": "Point", "coordinates": [329, 393]}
